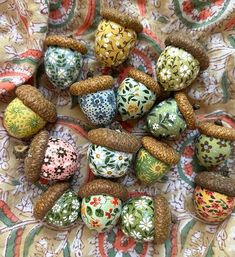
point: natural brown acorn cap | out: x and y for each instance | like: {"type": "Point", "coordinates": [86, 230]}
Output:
{"type": "Point", "coordinates": [119, 141]}
{"type": "Point", "coordinates": [34, 160]}
{"type": "Point", "coordinates": [212, 130]}
{"type": "Point", "coordinates": [160, 150]}
{"type": "Point", "coordinates": [91, 85]}
{"type": "Point", "coordinates": [123, 19]}
{"type": "Point", "coordinates": [216, 182]}
{"type": "Point", "coordinates": [162, 219]}
{"type": "Point", "coordinates": [191, 46]}
{"type": "Point", "coordinates": [48, 198]}
{"type": "Point", "coordinates": [103, 187]}
{"type": "Point", "coordinates": [145, 79]}
{"type": "Point", "coordinates": [66, 42]}
{"type": "Point", "coordinates": [33, 99]}
{"type": "Point", "coordinates": [186, 109]}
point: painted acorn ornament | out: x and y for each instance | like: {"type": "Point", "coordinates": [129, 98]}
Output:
{"type": "Point", "coordinates": [63, 60]}
{"type": "Point", "coordinates": [102, 204]}
{"type": "Point", "coordinates": [180, 62]}
{"type": "Point", "coordinates": [58, 207]}
{"type": "Point", "coordinates": [97, 99]}
{"type": "Point", "coordinates": [115, 37]}
{"type": "Point", "coordinates": [213, 197]}
{"type": "Point", "coordinates": [111, 152]}
{"type": "Point", "coordinates": [147, 219]}
{"type": "Point", "coordinates": [171, 117]}
{"type": "Point", "coordinates": [154, 160]}
{"type": "Point", "coordinates": [28, 112]}
{"type": "Point", "coordinates": [214, 144]}
{"type": "Point", "coordinates": [49, 158]}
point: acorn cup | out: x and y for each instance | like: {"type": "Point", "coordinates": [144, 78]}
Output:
{"type": "Point", "coordinates": [28, 112]}
{"type": "Point", "coordinates": [102, 204]}
{"type": "Point", "coordinates": [147, 219]}
{"type": "Point", "coordinates": [213, 146]}
{"type": "Point", "coordinates": [115, 37]}
{"type": "Point", "coordinates": [171, 117]}
{"type": "Point", "coordinates": [97, 99]}
{"type": "Point", "coordinates": [154, 160]}
{"type": "Point", "coordinates": [50, 159]}
{"type": "Point", "coordinates": [63, 60]}
{"type": "Point", "coordinates": [180, 62]}
{"type": "Point", "coordinates": [58, 207]}
{"type": "Point", "coordinates": [111, 152]}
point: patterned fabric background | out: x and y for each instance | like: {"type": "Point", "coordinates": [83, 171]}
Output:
{"type": "Point", "coordinates": [23, 27]}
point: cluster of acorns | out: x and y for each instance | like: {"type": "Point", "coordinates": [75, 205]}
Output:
{"type": "Point", "coordinates": [101, 202]}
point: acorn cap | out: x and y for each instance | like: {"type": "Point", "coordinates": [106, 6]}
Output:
{"type": "Point", "coordinates": [119, 141]}
{"type": "Point", "coordinates": [145, 79]}
{"type": "Point", "coordinates": [186, 109]}
{"type": "Point", "coordinates": [48, 199]}
{"type": "Point", "coordinates": [212, 130]}
{"type": "Point", "coordinates": [33, 99]}
{"type": "Point", "coordinates": [162, 219]}
{"type": "Point", "coordinates": [91, 85]}
{"type": "Point", "coordinates": [123, 19]}
{"type": "Point", "coordinates": [103, 187]}
{"type": "Point", "coordinates": [34, 160]}
{"type": "Point", "coordinates": [65, 42]}
{"type": "Point", "coordinates": [216, 182]}
{"type": "Point", "coordinates": [160, 150]}
{"type": "Point", "coordinates": [191, 46]}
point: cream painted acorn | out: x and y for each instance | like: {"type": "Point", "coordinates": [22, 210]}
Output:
{"type": "Point", "coordinates": [115, 37]}
{"type": "Point", "coordinates": [111, 152]}
{"type": "Point", "coordinates": [147, 219]}
{"type": "Point", "coordinates": [102, 204]}
{"type": "Point", "coordinates": [154, 160]}
{"type": "Point", "coordinates": [180, 62]}
{"type": "Point", "coordinates": [58, 207]}
{"type": "Point", "coordinates": [214, 145]}
{"type": "Point", "coordinates": [28, 112]}
{"type": "Point", "coordinates": [50, 159]}
{"type": "Point", "coordinates": [63, 60]}
{"type": "Point", "coordinates": [213, 197]}
{"type": "Point", "coordinates": [97, 99]}
{"type": "Point", "coordinates": [171, 117]}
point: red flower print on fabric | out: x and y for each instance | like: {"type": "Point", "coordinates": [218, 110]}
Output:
{"type": "Point", "coordinates": [96, 201]}
{"type": "Point", "coordinates": [114, 201]}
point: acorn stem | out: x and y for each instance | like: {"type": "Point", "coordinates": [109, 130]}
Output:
{"type": "Point", "coordinates": [20, 151]}
{"type": "Point", "coordinates": [196, 106]}
{"type": "Point", "coordinates": [218, 122]}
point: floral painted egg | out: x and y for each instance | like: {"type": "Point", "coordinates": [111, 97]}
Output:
{"type": "Point", "coordinates": [115, 37]}
{"type": "Point", "coordinates": [154, 160]}
{"type": "Point", "coordinates": [146, 219]}
{"type": "Point", "coordinates": [28, 112]}
{"type": "Point", "coordinates": [171, 117]}
{"type": "Point", "coordinates": [97, 99]}
{"type": "Point", "coordinates": [102, 204]}
{"type": "Point", "coordinates": [213, 146]}
{"type": "Point", "coordinates": [50, 158]}
{"type": "Point", "coordinates": [214, 197]}
{"type": "Point", "coordinates": [180, 62]}
{"type": "Point", "coordinates": [111, 152]}
{"type": "Point", "coordinates": [59, 207]}
{"type": "Point", "coordinates": [63, 60]}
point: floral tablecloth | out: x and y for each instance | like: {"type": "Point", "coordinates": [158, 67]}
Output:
{"type": "Point", "coordinates": [23, 27]}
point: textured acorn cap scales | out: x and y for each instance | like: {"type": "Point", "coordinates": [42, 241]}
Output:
{"type": "Point", "coordinates": [33, 99]}
{"type": "Point", "coordinates": [191, 46]}
{"type": "Point", "coordinates": [160, 150]}
{"type": "Point", "coordinates": [34, 160]}
{"type": "Point", "coordinates": [186, 109]}
{"type": "Point", "coordinates": [123, 19]}
{"type": "Point", "coordinates": [66, 42]}
{"type": "Point", "coordinates": [119, 141]}
{"type": "Point", "coordinates": [216, 182]}
{"type": "Point", "coordinates": [103, 187]}
{"type": "Point", "coordinates": [48, 198]}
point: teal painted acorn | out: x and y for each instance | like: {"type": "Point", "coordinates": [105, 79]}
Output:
{"type": "Point", "coordinates": [63, 60]}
